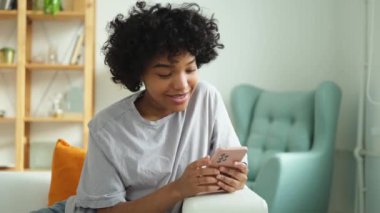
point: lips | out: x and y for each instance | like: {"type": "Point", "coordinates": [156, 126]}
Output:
{"type": "Point", "coordinates": [179, 98]}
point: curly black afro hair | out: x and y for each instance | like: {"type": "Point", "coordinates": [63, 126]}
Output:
{"type": "Point", "coordinates": [146, 32]}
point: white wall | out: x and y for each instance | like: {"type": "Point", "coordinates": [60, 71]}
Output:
{"type": "Point", "coordinates": [277, 45]}
{"type": "Point", "coordinates": [350, 55]}
{"type": "Point", "coordinates": [293, 44]}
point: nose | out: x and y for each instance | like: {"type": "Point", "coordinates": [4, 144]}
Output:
{"type": "Point", "coordinates": [181, 82]}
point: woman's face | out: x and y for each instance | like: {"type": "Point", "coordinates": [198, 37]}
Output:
{"type": "Point", "coordinates": [169, 84]}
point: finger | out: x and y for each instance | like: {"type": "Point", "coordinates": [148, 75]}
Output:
{"type": "Point", "coordinates": [207, 180]}
{"type": "Point", "coordinates": [229, 181]}
{"type": "Point", "coordinates": [209, 188]}
{"type": "Point", "coordinates": [208, 171]}
{"type": "Point", "coordinates": [241, 166]}
{"type": "Point", "coordinates": [233, 173]}
{"type": "Point", "coordinates": [226, 187]}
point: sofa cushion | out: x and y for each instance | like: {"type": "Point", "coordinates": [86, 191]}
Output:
{"type": "Point", "coordinates": [66, 170]}
{"type": "Point", "coordinates": [23, 191]}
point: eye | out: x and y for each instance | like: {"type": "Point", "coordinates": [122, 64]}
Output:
{"type": "Point", "coordinates": [164, 75]}
{"type": "Point", "coordinates": [191, 70]}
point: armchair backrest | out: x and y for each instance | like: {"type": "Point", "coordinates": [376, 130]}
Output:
{"type": "Point", "coordinates": [270, 122]}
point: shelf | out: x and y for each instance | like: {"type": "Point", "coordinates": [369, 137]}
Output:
{"type": "Point", "coordinates": [8, 14]}
{"type": "Point", "coordinates": [8, 66]}
{"type": "Point", "coordinates": [54, 67]}
{"type": "Point", "coordinates": [6, 168]}
{"type": "Point", "coordinates": [37, 170]}
{"type": "Point", "coordinates": [7, 119]}
{"type": "Point", "coordinates": [60, 16]}
{"type": "Point", "coordinates": [64, 118]}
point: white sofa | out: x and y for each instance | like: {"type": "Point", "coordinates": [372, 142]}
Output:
{"type": "Point", "coordinates": [22, 192]}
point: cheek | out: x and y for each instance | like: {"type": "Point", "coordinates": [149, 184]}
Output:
{"type": "Point", "coordinates": [157, 89]}
{"type": "Point", "coordinates": [193, 80]}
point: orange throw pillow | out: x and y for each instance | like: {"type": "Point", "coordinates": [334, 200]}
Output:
{"type": "Point", "coordinates": [65, 171]}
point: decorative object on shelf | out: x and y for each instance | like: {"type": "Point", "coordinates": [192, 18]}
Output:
{"type": "Point", "coordinates": [2, 113]}
{"type": "Point", "coordinates": [57, 106]}
{"type": "Point", "coordinates": [76, 54]}
{"type": "Point", "coordinates": [68, 53]}
{"type": "Point", "coordinates": [38, 58]}
{"type": "Point", "coordinates": [52, 57]}
{"type": "Point", "coordinates": [75, 99]}
{"type": "Point", "coordinates": [7, 55]}
{"type": "Point", "coordinates": [6, 4]}
{"type": "Point", "coordinates": [52, 7]}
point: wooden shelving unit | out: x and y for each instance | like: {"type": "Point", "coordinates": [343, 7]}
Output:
{"type": "Point", "coordinates": [60, 16]}
{"type": "Point", "coordinates": [7, 119]}
{"type": "Point", "coordinates": [8, 66]}
{"type": "Point", "coordinates": [64, 118]}
{"type": "Point", "coordinates": [54, 67]}
{"type": "Point", "coordinates": [8, 14]}
{"type": "Point", "coordinates": [83, 11]}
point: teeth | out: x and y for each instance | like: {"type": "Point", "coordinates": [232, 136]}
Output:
{"type": "Point", "coordinates": [179, 97]}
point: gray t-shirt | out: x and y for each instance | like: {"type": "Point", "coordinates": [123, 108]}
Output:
{"type": "Point", "coordinates": [130, 157]}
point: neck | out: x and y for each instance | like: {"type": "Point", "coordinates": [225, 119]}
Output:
{"type": "Point", "coordinates": [149, 109]}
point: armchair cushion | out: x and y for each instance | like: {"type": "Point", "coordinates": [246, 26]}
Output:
{"type": "Point", "coordinates": [281, 122]}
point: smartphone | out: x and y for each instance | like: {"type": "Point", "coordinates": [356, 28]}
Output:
{"type": "Point", "coordinates": [228, 156]}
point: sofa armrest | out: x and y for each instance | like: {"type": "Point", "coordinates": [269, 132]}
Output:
{"type": "Point", "coordinates": [23, 191]}
{"type": "Point", "coordinates": [242, 201]}
{"type": "Point", "coordinates": [282, 174]}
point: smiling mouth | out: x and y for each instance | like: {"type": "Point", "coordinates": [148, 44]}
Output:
{"type": "Point", "coordinates": [179, 98]}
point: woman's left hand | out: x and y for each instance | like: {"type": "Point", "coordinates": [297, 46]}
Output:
{"type": "Point", "coordinates": [233, 178]}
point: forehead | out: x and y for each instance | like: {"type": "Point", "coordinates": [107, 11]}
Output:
{"type": "Point", "coordinates": [167, 58]}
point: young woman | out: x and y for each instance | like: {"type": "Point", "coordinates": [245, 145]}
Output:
{"type": "Point", "coordinates": [151, 150]}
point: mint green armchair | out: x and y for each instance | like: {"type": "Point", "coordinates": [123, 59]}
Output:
{"type": "Point", "coordinates": [290, 138]}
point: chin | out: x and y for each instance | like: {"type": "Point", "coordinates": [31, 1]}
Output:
{"type": "Point", "coordinates": [180, 108]}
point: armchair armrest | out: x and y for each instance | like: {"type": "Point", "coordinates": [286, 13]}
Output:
{"type": "Point", "coordinates": [295, 178]}
{"type": "Point", "coordinates": [242, 201]}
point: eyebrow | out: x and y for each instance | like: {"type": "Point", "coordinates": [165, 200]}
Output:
{"type": "Point", "coordinates": [158, 65]}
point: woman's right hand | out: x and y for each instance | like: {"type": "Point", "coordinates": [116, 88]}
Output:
{"type": "Point", "coordinates": [197, 178]}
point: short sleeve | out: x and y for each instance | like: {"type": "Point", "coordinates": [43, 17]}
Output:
{"type": "Point", "coordinates": [100, 184]}
{"type": "Point", "coordinates": [223, 132]}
